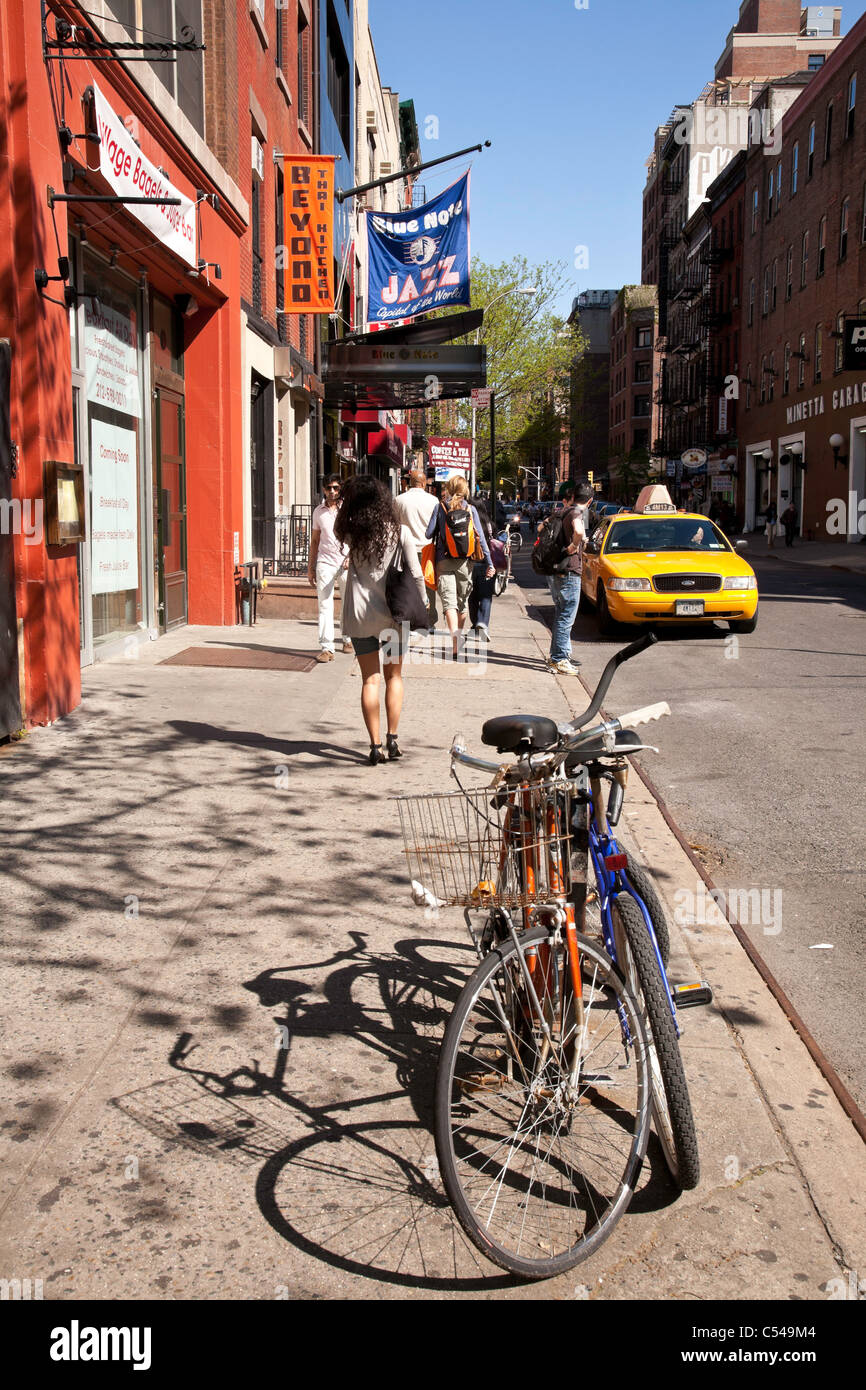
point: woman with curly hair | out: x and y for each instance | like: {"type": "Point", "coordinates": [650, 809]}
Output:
{"type": "Point", "coordinates": [368, 524]}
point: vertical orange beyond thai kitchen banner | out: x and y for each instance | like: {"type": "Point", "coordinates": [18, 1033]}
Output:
{"type": "Point", "coordinates": [308, 255]}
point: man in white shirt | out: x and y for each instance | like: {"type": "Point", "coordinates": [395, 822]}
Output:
{"type": "Point", "coordinates": [327, 566]}
{"type": "Point", "coordinates": [415, 507]}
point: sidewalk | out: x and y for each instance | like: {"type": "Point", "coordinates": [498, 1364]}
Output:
{"type": "Point", "coordinates": [222, 1012]}
{"type": "Point", "coordinates": [840, 556]}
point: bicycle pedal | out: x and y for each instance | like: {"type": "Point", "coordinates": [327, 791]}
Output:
{"type": "Point", "coordinates": [690, 996]}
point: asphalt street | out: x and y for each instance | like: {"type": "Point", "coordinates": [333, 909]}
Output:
{"type": "Point", "coordinates": [761, 767]}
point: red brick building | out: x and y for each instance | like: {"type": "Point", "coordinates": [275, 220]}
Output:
{"type": "Point", "coordinates": [634, 383]}
{"type": "Point", "coordinates": [128, 364]}
{"type": "Point", "coordinates": [805, 256]}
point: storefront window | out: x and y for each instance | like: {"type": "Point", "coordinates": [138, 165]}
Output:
{"type": "Point", "coordinates": [115, 396]}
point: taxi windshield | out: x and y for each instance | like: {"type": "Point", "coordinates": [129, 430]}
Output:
{"type": "Point", "coordinates": [664, 533]}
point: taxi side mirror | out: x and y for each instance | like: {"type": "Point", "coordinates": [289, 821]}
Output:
{"type": "Point", "coordinates": [741, 545]}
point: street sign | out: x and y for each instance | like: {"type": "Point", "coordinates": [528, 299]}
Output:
{"type": "Point", "coordinates": [855, 345]}
{"type": "Point", "coordinates": [481, 397]}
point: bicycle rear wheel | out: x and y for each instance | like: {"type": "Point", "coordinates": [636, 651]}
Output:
{"type": "Point", "coordinates": [672, 1108]}
{"type": "Point", "coordinates": [500, 583]}
{"type": "Point", "coordinates": [542, 1112]}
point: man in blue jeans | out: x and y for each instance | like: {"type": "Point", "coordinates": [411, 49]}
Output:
{"type": "Point", "coordinates": [565, 587]}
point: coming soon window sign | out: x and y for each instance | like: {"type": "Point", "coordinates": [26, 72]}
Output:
{"type": "Point", "coordinates": [308, 256]}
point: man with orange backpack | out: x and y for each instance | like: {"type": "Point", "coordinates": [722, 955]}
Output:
{"type": "Point", "coordinates": [460, 541]}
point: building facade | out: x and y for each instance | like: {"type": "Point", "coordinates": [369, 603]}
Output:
{"type": "Point", "coordinates": [122, 342]}
{"type": "Point", "coordinates": [590, 385]}
{"type": "Point", "coordinates": [634, 384]}
{"type": "Point", "coordinates": [802, 415]}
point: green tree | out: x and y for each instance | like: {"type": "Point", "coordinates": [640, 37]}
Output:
{"type": "Point", "coordinates": [530, 351]}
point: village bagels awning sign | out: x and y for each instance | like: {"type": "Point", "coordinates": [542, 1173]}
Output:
{"type": "Point", "coordinates": [131, 175]}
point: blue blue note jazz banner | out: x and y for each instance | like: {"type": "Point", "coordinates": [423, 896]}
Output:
{"type": "Point", "coordinates": [419, 259]}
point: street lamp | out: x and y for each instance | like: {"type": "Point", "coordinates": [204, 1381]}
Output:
{"type": "Point", "coordinates": [527, 290]}
{"type": "Point", "coordinates": [836, 444]}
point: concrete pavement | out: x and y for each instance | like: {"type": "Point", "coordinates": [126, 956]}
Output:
{"type": "Point", "coordinates": [222, 1012]}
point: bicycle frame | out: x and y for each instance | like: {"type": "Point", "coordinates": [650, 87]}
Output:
{"type": "Point", "coordinates": [612, 880]}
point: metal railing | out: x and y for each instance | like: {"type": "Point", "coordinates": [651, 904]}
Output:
{"type": "Point", "coordinates": [292, 541]}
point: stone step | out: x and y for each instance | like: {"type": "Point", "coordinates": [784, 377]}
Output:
{"type": "Point", "coordinates": [290, 596]}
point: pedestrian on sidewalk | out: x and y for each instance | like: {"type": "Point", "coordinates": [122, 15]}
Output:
{"type": "Point", "coordinates": [565, 586]}
{"type": "Point", "coordinates": [483, 587]}
{"type": "Point", "coordinates": [369, 526]}
{"type": "Point", "coordinates": [459, 542]}
{"type": "Point", "coordinates": [415, 509]}
{"type": "Point", "coordinates": [789, 521]}
{"type": "Point", "coordinates": [771, 517]}
{"type": "Point", "coordinates": [326, 569]}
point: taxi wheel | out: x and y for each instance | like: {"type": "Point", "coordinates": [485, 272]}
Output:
{"type": "Point", "coordinates": [747, 625]}
{"type": "Point", "coordinates": [606, 624]}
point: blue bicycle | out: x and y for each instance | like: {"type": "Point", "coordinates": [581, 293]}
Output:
{"type": "Point", "coordinates": [634, 930]}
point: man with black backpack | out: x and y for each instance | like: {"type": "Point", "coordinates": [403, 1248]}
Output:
{"type": "Point", "coordinates": [558, 555]}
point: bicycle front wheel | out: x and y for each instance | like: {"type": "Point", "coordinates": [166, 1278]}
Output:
{"type": "Point", "coordinates": [542, 1105]}
{"type": "Point", "coordinates": [500, 583]}
{"type": "Point", "coordinates": [672, 1108]}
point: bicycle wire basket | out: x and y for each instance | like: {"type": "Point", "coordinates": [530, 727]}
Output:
{"type": "Point", "coordinates": [509, 847]}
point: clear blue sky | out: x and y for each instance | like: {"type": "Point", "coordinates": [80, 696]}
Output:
{"type": "Point", "coordinates": [570, 98]}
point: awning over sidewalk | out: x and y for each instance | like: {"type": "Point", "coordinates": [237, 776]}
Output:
{"type": "Point", "coordinates": [399, 369]}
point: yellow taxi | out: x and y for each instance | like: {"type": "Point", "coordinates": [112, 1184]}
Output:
{"type": "Point", "coordinates": [658, 565]}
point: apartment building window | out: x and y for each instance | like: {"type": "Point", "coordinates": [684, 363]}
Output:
{"type": "Point", "coordinates": [795, 167]}
{"type": "Point", "coordinates": [775, 281]}
{"type": "Point", "coordinates": [338, 79]}
{"type": "Point", "coordinates": [772, 376]}
{"type": "Point", "coordinates": [863, 227]}
{"type": "Point", "coordinates": [778, 185]}
{"type": "Point", "coordinates": [789, 274]}
{"type": "Point", "coordinates": [641, 406]}
{"type": "Point", "coordinates": [766, 308]}
{"type": "Point", "coordinates": [843, 229]}
{"type": "Point", "coordinates": [183, 79]}
{"type": "Point", "coordinates": [303, 68]}
{"type": "Point", "coordinates": [828, 131]}
{"type": "Point", "coordinates": [840, 342]}
{"type": "Point", "coordinates": [819, 352]}
{"type": "Point", "coordinates": [816, 61]}
{"type": "Point", "coordinates": [786, 375]}
{"type": "Point", "coordinates": [822, 246]}
{"type": "Point", "coordinates": [755, 201]}
{"type": "Point", "coordinates": [642, 371]}
{"type": "Point", "coordinates": [644, 338]}
{"type": "Point", "coordinates": [751, 302]}
{"type": "Point", "coordinates": [801, 364]}
{"type": "Point", "coordinates": [763, 380]}
{"type": "Point", "coordinates": [279, 50]}
{"type": "Point", "coordinates": [852, 103]}
{"type": "Point", "coordinates": [749, 387]}
{"type": "Point", "coordinates": [811, 164]}
{"type": "Point", "coordinates": [770, 180]}
{"type": "Point", "coordinates": [804, 261]}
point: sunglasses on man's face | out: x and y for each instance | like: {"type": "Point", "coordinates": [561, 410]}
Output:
{"type": "Point", "coordinates": [332, 489]}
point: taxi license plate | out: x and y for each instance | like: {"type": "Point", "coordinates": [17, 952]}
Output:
{"type": "Point", "coordinates": [690, 608]}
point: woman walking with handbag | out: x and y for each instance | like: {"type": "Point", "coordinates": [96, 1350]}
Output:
{"type": "Point", "coordinates": [460, 541]}
{"type": "Point", "coordinates": [367, 523]}
{"type": "Point", "coordinates": [483, 583]}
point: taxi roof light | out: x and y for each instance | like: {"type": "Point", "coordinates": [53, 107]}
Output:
{"type": "Point", "coordinates": [655, 498]}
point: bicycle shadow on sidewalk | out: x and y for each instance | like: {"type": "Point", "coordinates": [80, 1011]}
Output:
{"type": "Point", "coordinates": [357, 1191]}
{"type": "Point", "coordinates": [359, 1188]}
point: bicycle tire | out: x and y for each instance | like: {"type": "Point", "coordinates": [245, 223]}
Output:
{"type": "Point", "coordinates": [672, 1108]}
{"type": "Point", "coordinates": [500, 583]}
{"type": "Point", "coordinates": [538, 1173]}
{"type": "Point", "coordinates": [646, 889]}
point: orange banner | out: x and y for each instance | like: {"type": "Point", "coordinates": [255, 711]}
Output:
{"type": "Point", "coordinates": [308, 255]}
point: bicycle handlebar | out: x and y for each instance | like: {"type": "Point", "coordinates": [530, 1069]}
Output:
{"type": "Point", "coordinates": [649, 639]}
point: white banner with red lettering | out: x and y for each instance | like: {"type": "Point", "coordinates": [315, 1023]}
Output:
{"type": "Point", "coordinates": [131, 175]}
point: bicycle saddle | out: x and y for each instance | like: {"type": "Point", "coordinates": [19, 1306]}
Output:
{"type": "Point", "coordinates": [520, 733]}
{"type": "Point", "coordinates": [625, 739]}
